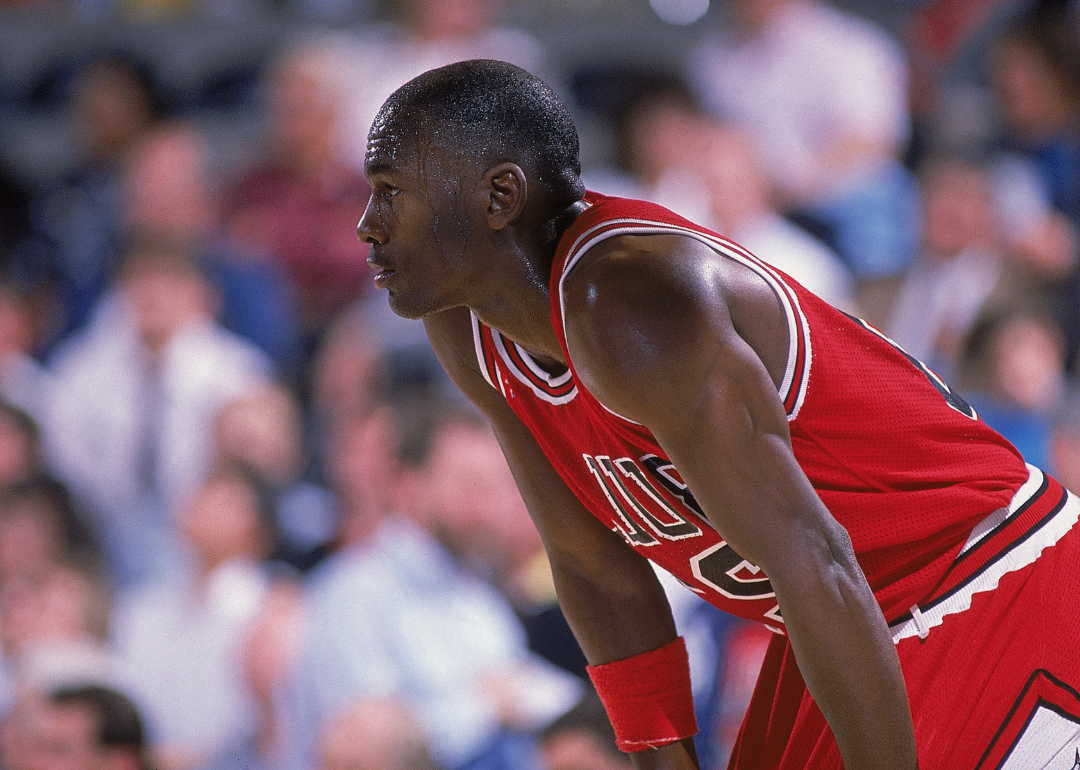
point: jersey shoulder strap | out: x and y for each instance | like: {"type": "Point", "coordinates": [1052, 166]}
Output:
{"type": "Point", "coordinates": [608, 217]}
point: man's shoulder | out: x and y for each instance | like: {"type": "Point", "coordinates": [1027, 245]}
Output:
{"type": "Point", "coordinates": [605, 209]}
{"type": "Point", "coordinates": [610, 226]}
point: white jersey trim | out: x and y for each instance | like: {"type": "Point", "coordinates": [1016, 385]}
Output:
{"type": "Point", "coordinates": [552, 381]}
{"type": "Point", "coordinates": [1021, 556]}
{"type": "Point", "coordinates": [998, 517]}
{"type": "Point", "coordinates": [478, 346]}
{"type": "Point", "coordinates": [796, 320]}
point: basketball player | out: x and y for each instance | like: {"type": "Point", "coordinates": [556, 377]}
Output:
{"type": "Point", "coordinates": [659, 392]}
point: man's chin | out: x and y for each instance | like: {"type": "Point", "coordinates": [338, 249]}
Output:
{"type": "Point", "coordinates": [406, 309]}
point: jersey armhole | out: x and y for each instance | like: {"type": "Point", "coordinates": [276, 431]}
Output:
{"type": "Point", "coordinates": [792, 390]}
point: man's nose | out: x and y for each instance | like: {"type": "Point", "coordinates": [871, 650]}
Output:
{"type": "Point", "coordinates": [368, 229]}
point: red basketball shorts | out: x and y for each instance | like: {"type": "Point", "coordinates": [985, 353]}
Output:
{"type": "Point", "coordinates": [991, 660]}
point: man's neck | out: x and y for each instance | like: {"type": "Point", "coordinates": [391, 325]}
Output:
{"type": "Point", "coordinates": [552, 230]}
{"type": "Point", "coordinates": [523, 314]}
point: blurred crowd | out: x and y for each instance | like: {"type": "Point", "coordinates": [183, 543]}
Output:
{"type": "Point", "coordinates": [245, 521]}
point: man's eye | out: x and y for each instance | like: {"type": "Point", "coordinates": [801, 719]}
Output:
{"type": "Point", "coordinates": [386, 191]}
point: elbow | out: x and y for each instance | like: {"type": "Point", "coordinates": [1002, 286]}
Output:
{"type": "Point", "coordinates": [823, 560]}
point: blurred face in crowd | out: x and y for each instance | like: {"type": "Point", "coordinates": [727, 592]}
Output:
{"type": "Point", "coordinates": [1036, 99]}
{"type": "Point", "coordinates": [303, 112]}
{"type": "Point", "coordinates": [475, 506]}
{"type": "Point", "coordinates": [167, 191]}
{"type": "Point", "coordinates": [263, 432]}
{"type": "Point", "coordinates": [372, 735]}
{"type": "Point", "coordinates": [222, 521]}
{"type": "Point", "coordinates": [663, 135]}
{"type": "Point", "coordinates": [65, 738]}
{"type": "Point", "coordinates": [346, 367]}
{"type": "Point", "coordinates": [59, 605]}
{"type": "Point", "coordinates": [111, 108]}
{"type": "Point", "coordinates": [435, 19]}
{"type": "Point", "coordinates": [363, 466]}
{"type": "Point", "coordinates": [30, 539]}
{"type": "Point", "coordinates": [165, 292]}
{"type": "Point", "coordinates": [957, 209]}
{"type": "Point", "coordinates": [737, 187]}
{"type": "Point", "coordinates": [1029, 363]}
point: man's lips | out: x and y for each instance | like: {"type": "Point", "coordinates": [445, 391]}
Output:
{"type": "Point", "coordinates": [382, 277]}
{"type": "Point", "coordinates": [382, 272]}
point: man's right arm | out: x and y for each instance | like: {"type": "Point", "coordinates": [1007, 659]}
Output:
{"type": "Point", "coordinates": [608, 592]}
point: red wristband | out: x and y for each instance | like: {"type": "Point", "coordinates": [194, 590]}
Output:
{"type": "Point", "coordinates": [648, 697]}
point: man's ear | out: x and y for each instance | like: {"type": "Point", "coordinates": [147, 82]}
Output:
{"type": "Point", "coordinates": [506, 190]}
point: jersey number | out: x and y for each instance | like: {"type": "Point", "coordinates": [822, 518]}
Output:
{"type": "Point", "coordinates": [718, 566]}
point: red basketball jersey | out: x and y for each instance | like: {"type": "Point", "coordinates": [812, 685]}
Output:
{"type": "Point", "coordinates": [899, 460]}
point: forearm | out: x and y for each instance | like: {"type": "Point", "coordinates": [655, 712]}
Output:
{"type": "Point", "coordinates": [840, 639]}
{"type": "Point", "coordinates": [848, 661]}
{"type": "Point", "coordinates": [639, 668]}
{"type": "Point", "coordinates": [617, 611]}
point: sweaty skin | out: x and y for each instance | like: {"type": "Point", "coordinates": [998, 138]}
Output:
{"type": "Point", "coordinates": [667, 332]}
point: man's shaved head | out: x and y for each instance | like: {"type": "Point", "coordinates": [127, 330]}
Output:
{"type": "Point", "coordinates": [490, 112]}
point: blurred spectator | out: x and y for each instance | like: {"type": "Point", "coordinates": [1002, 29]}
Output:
{"type": "Point", "coordinates": [937, 34]}
{"type": "Point", "coordinates": [823, 93]}
{"type": "Point", "coordinates": [77, 224]}
{"type": "Point", "coordinates": [39, 529]}
{"type": "Point", "coordinates": [1013, 375]}
{"type": "Point", "coordinates": [130, 426]}
{"type": "Point", "coordinates": [1065, 442]}
{"type": "Point", "coordinates": [709, 172]}
{"type": "Point", "coordinates": [269, 655]}
{"type": "Point", "coordinates": [583, 739]}
{"type": "Point", "coordinates": [66, 604]}
{"type": "Point", "coordinates": [424, 34]}
{"type": "Point", "coordinates": [20, 446]}
{"type": "Point", "coordinates": [23, 381]}
{"type": "Point", "coordinates": [373, 734]}
{"type": "Point", "coordinates": [394, 614]}
{"type": "Point", "coordinates": [168, 195]}
{"type": "Point", "coordinates": [1035, 69]}
{"type": "Point", "coordinates": [53, 629]}
{"type": "Point", "coordinates": [301, 208]}
{"type": "Point", "coordinates": [659, 133]}
{"type": "Point", "coordinates": [264, 430]}
{"type": "Point", "coordinates": [740, 208]}
{"type": "Point", "coordinates": [961, 268]}
{"type": "Point", "coordinates": [476, 511]}
{"type": "Point", "coordinates": [348, 369]}
{"type": "Point", "coordinates": [88, 727]}
{"type": "Point", "coordinates": [180, 642]}
{"type": "Point", "coordinates": [1036, 78]}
